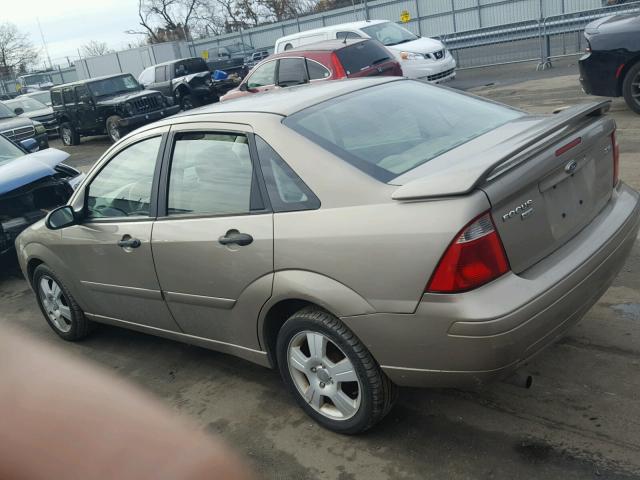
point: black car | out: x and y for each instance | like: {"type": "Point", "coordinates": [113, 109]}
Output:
{"type": "Point", "coordinates": [611, 66]}
{"type": "Point", "coordinates": [188, 81]}
{"type": "Point", "coordinates": [114, 105]}
{"type": "Point", "coordinates": [17, 128]}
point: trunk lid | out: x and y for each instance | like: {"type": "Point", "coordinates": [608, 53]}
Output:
{"type": "Point", "coordinates": [545, 177]}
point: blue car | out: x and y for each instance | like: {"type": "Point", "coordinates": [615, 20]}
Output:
{"type": "Point", "coordinates": [32, 183]}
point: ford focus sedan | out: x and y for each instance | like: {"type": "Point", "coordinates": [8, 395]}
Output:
{"type": "Point", "coordinates": [356, 235]}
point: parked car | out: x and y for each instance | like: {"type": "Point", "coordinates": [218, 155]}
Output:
{"type": "Point", "coordinates": [328, 60]}
{"type": "Point", "coordinates": [114, 105]}
{"type": "Point", "coordinates": [356, 235]}
{"type": "Point", "coordinates": [611, 66]}
{"type": "Point", "coordinates": [188, 81]}
{"type": "Point", "coordinates": [17, 128]}
{"type": "Point", "coordinates": [420, 57]}
{"type": "Point", "coordinates": [42, 97]}
{"type": "Point", "coordinates": [34, 82]}
{"type": "Point", "coordinates": [35, 110]}
{"type": "Point", "coordinates": [31, 184]}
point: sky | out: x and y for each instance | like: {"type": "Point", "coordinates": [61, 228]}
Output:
{"type": "Point", "coordinates": [69, 24]}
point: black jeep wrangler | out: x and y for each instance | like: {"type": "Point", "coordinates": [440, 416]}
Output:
{"type": "Point", "coordinates": [188, 81]}
{"type": "Point", "coordinates": [115, 105]}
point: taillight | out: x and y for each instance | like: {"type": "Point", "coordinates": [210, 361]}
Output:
{"type": "Point", "coordinates": [475, 257]}
{"type": "Point", "coordinates": [616, 159]}
{"type": "Point", "coordinates": [338, 70]}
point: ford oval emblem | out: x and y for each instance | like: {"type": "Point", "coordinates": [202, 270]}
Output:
{"type": "Point", "coordinates": [571, 166]}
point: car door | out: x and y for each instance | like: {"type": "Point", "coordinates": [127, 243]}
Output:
{"type": "Point", "coordinates": [109, 252]}
{"type": "Point", "coordinates": [85, 109]}
{"type": "Point", "coordinates": [213, 239]}
{"type": "Point", "coordinates": [263, 78]}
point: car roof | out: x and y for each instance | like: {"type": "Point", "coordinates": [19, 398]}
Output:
{"type": "Point", "coordinates": [341, 26]}
{"type": "Point", "coordinates": [87, 80]}
{"type": "Point", "coordinates": [287, 101]}
{"type": "Point", "coordinates": [326, 45]}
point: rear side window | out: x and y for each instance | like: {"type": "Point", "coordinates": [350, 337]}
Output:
{"type": "Point", "coordinates": [392, 128]}
{"type": "Point", "coordinates": [67, 95]}
{"type": "Point", "coordinates": [287, 191]}
{"type": "Point", "coordinates": [362, 55]}
{"type": "Point", "coordinates": [317, 71]}
{"type": "Point", "coordinates": [292, 71]}
{"type": "Point", "coordinates": [161, 74]}
{"type": "Point", "coordinates": [56, 97]}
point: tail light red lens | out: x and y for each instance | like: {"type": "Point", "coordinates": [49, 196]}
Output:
{"type": "Point", "coordinates": [474, 258]}
{"type": "Point", "coordinates": [616, 159]}
{"type": "Point", "coordinates": [338, 69]}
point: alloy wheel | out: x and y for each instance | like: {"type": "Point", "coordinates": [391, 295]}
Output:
{"type": "Point", "coordinates": [55, 304]}
{"type": "Point", "coordinates": [114, 132]}
{"type": "Point", "coordinates": [66, 136]}
{"type": "Point", "coordinates": [324, 375]}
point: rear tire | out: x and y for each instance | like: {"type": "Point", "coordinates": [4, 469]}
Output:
{"type": "Point", "coordinates": [58, 306]}
{"type": "Point", "coordinates": [113, 129]}
{"type": "Point", "coordinates": [338, 384]}
{"type": "Point", "coordinates": [631, 88]}
{"type": "Point", "coordinates": [69, 135]}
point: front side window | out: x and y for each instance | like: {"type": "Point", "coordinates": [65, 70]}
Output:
{"type": "Point", "coordinates": [291, 71]}
{"type": "Point", "coordinates": [82, 94]}
{"type": "Point", "coordinates": [263, 76]}
{"type": "Point", "coordinates": [392, 128]}
{"type": "Point", "coordinates": [67, 95]}
{"type": "Point", "coordinates": [212, 174]}
{"type": "Point", "coordinates": [123, 187]}
{"type": "Point", "coordinates": [56, 97]}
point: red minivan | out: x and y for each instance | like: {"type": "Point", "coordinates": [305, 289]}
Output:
{"type": "Point", "coordinates": [329, 60]}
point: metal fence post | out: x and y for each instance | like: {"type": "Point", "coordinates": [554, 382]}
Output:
{"type": "Point", "coordinates": [418, 17]}
{"type": "Point", "coordinates": [479, 13]}
{"type": "Point", "coordinates": [453, 15]}
{"type": "Point", "coordinates": [366, 10]}
{"type": "Point", "coordinates": [545, 45]}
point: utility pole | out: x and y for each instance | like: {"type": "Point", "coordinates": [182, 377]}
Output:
{"type": "Point", "coordinates": [44, 43]}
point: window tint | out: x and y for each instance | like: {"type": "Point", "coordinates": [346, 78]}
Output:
{"type": "Point", "coordinates": [161, 74]}
{"type": "Point", "coordinates": [123, 186]}
{"type": "Point", "coordinates": [362, 55]}
{"type": "Point", "coordinates": [67, 95]}
{"type": "Point", "coordinates": [56, 97]}
{"type": "Point", "coordinates": [287, 191]}
{"type": "Point", "coordinates": [212, 174]}
{"type": "Point", "coordinates": [392, 128]}
{"type": "Point", "coordinates": [263, 76]}
{"type": "Point", "coordinates": [317, 71]}
{"type": "Point", "coordinates": [291, 71]}
{"type": "Point", "coordinates": [82, 92]}
{"type": "Point", "coordinates": [343, 35]}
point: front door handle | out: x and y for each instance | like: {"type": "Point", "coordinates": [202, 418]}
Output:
{"type": "Point", "coordinates": [234, 236]}
{"type": "Point", "coordinates": [128, 242]}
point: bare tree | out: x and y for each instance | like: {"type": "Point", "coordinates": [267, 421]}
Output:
{"type": "Point", "coordinates": [95, 48]}
{"type": "Point", "coordinates": [16, 50]}
{"type": "Point", "coordinates": [165, 19]}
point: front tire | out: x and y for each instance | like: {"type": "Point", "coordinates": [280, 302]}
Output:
{"type": "Point", "coordinates": [331, 374]}
{"type": "Point", "coordinates": [58, 306]}
{"type": "Point", "coordinates": [68, 134]}
{"type": "Point", "coordinates": [631, 88]}
{"type": "Point", "coordinates": [113, 129]}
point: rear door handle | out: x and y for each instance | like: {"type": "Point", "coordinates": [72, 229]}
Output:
{"type": "Point", "coordinates": [234, 236]}
{"type": "Point", "coordinates": [128, 242]}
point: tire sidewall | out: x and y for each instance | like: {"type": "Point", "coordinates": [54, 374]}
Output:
{"type": "Point", "coordinates": [67, 125]}
{"type": "Point", "coordinates": [74, 332]}
{"type": "Point", "coordinates": [113, 120]}
{"type": "Point", "coordinates": [627, 88]}
{"type": "Point", "coordinates": [362, 418]}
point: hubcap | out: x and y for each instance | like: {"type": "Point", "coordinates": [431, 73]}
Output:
{"type": "Point", "coordinates": [114, 131]}
{"type": "Point", "coordinates": [324, 375]}
{"type": "Point", "coordinates": [55, 304]}
{"type": "Point", "coordinates": [66, 135]}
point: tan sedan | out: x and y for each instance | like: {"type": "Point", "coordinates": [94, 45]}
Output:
{"type": "Point", "coordinates": [356, 235]}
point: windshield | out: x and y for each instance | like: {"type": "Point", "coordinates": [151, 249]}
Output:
{"type": "Point", "coordinates": [37, 78]}
{"type": "Point", "coordinates": [388, 33]}
{"type": "Point", "coordinates": [111, 86]}
{"type": "Point", "coordinates": [25, 103]}
{"type": "Point", "coordinates": [8, 151]}
{"type": "Point", "coordinates": [6, 112]}
{"type": "Point", "coordinates": [392, 128]}
{"type": "Point", "coordinates": [43, 97]}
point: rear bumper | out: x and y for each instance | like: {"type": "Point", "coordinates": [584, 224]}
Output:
{"type": "Point", "coordinates": [468, 339]}
{"type": "Point", "coordinates": [598, 74]}
{"type": "Point", "coordinates": [145, 118]}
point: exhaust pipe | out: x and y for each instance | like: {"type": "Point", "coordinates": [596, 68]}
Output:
{"type": "Point", "coordinates": [520, 379]}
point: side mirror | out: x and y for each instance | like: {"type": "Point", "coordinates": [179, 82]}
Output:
{"type": "Point", "coordinates": [30, 145]}
{"type": "Point", "coordinates": [243, 87]}
{"type": "Point", "coordinates": [18, 111]}
{"type": "Point", "coordinates": [61, 217]}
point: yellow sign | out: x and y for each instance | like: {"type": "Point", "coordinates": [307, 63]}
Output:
{"type": "Point", "coordinates": [205, 54]}
{"type": "Point", "coordinates": [405, 16]}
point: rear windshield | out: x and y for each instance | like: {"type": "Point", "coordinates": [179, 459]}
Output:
{"type": "Point", "coordinates": [362, 55]}
{"type": "Point", "coordinates": [389, 129]}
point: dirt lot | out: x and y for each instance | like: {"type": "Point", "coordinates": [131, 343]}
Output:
{"type": "Point", "coordinates": [580, 420]}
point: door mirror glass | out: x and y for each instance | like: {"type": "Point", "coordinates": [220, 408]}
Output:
{"type": "Point", "coordinates": [18, 111]}
{"type": "Point", "coordinates": [30, 145]}
{"type": "Point", "coordinates": [61, 217]}
{"type": "Point", "coordinates": [243, 87]}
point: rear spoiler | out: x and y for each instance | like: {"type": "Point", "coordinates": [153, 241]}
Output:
{"type": "Point", "coordinates": [489, 164]}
